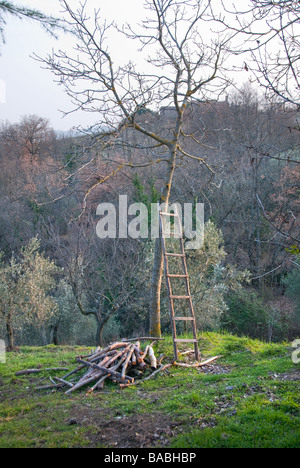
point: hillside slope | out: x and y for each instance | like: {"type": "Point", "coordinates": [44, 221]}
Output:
{"type": "Point", "coordinates": [247, 398]}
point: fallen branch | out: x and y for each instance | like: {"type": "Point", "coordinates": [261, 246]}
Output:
{"type": "Point", "coordinates": [161, 368]}
{"type": "Point", "coordinates": [198, 364]}
{"type": "Point", "coordinates": [50, 387]}
{"type": "Point", "coordinates": [145, 338]}
{"type": "Point", "coordinates": [36, 371]}
{"type": "Point", "coordinates": [69, 384]}
{"type": "Point", "coordinates": [189, 351]}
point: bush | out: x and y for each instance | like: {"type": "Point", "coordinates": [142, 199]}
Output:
{"type": "Point", "coordinates": [246, 314]}
{"type": "Point", "coordinates": [292, 283]}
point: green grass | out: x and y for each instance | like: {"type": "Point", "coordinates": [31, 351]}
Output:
{"type": "Point", "coordinates": [245, 402]}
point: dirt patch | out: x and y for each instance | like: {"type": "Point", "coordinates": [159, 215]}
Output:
{"type": "Point", "coordinates": [127, 431]}
{"type": "Point", "coordinates": [291, 376]}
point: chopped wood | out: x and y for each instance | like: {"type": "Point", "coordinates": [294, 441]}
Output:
{"type": "Point", "coordinates": [153, 361]}
{"type": "Point", "coordinates": [144, 354]}
{"type": "Point", "coordinates": [160, 359]}
{"type": "Point", "coordinates": [124, 363]}
{"type": "Point", "coordinates": [160, 369]}
{"type": "Point", "coordinates": [103, 369]}
{"type": "Point", "coordinates": [120, 362]}
{"type": "Point", "coordinates": [133, 359]}
{"type": "Point", "coordinates": [138, 354]}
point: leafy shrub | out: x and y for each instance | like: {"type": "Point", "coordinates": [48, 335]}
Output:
{"type": "Point", "coordinates": [292, 283]}
{"type": "Point", "coordinates": [246, 314]}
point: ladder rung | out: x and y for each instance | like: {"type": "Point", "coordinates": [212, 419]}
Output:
{"type": "Point", "coordinates": [180, 297]}
{"type": "Point", "coordinates": [174, 255]}
{"type": "Point", "coordinates": [177, 276]}
{"type": "Point", "coordinates": [184, 318]}
{"type": "Point", "coordinates": [163, 213]}
{"type": "Point", "coordinates": [184, 340]}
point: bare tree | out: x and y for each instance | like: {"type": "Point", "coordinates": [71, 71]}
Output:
{"type": "Point", "coordinates": [277, 57]}
{"type": "Point", "coordinates": [184, 55]}
{"type": "Point", "coordinates": [271, 31]}
{"type": "Point", "coordinates": [105, 276]}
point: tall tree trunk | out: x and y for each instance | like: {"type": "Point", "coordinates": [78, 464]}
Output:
{"type": "Point", "coordinates": [99, 334]}
{"type": "Point", "coordinates": [155, 323]}
{"type": "Point", "coordinates": [55, 333]}
{"type": "Point", "coordinates": [100, 330]}
{"type": "Point", "coordinates": [9, 332]}
{"type": "Point", "coordinates": [101, 325]}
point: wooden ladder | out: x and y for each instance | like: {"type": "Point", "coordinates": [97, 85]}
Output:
{"type": "Point", "coordinates": [184, 276]}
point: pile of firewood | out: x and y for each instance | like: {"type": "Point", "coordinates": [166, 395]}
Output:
{"type": "Point", "coordinates": [122, 362]}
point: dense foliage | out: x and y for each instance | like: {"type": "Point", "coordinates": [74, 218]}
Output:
{"type": "Point", "coordinates": [245, 278]}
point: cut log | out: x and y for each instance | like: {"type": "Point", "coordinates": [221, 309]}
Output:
{"type": "Point", "coordinates": [125, 365]}
{"type": "Point", "coordinates": [104, 369]}
{"type": "Point", "coordinates": [153, 361]}
{"type": "Point", "coordinates": [100, 383]}
{"type": "Point", "coordinates": [133, 359]}
{"type": "Point", "coordinates": [161, 368]}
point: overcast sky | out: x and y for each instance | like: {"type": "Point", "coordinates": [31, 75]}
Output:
{"type": "Point", "coordinates": [26, 88]}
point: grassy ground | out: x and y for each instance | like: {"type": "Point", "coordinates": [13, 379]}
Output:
{"type": "Point", "coordinates": [247, 398]}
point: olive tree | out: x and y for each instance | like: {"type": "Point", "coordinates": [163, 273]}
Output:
{"type": "Point", "coordinates": [25, 286]}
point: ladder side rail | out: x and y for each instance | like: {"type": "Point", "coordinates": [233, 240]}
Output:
{"type": "Point", "coordinates": [169, 287]}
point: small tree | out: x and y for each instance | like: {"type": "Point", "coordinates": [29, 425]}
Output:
{"type": "Point", "coordinates": [211, 279]}
{"type": "Point", "coordinates": [25, 287]}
